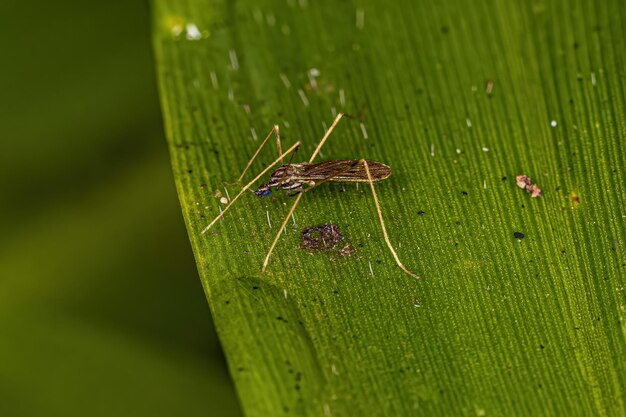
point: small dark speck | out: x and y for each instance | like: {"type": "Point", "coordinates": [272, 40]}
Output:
{"type": "Point", "coordinates": [203, 186]}
{"type": "Point", "coordinates": [445, 29]}
{"type": "Point", "coordinates": [503, 178]}
{"type": "Point", "coordinates": [227, 301]}
{"type": "Point", "coordinates": [542, 346]}
{"type": "Point", "coordinates": [518, 235]}
{"type": "Point", "coordinates": [190, 171]}
{"type": "Point", "coordinates": [255, 288]}
{"type": "Point", "coordinates": [562, 251]}
{"type": "Point", "coordinates": [464, 192]}
{"type": "Point", "coordinates": [298, 387]}
{"type": "Point", "coordinates": [335, 291]}
{"type": "Point", "coordinates": [421, 213]}
{"type": "Point", "coordinates": [575, 45]}
{"type": "Point", "coordinates": [378, 261]}
{"type": "Point", "coordinates": [361, 245]}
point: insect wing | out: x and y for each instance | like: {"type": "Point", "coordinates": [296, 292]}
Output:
{"type": "Point", "coordinates": [345, 170]}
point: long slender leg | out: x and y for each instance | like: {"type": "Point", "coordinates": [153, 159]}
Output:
{"type": "Point", "coordinates": [274, 130]}
{"type": "Point", "coordinates": [382, 222]}
{"type": "Point", "coordinates": [330, 129]}
{"type": "Point", "coordinates": [278, 146]}
{"type": "Point", "coordinates": [280, 231]}
{"type": "Point", "coordinates": [250, 184]}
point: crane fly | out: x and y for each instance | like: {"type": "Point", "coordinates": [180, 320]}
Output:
{"type": "Point", "coordinates": [298, 178]}
{"type": "Point", "coordinates": [294, 177]}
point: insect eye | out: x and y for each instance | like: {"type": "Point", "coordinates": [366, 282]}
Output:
{"type": "Point", "coordinates": [266, 193]}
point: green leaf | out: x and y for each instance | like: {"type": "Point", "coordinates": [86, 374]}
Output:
{"type": "Point", "coordinates": [458, 98]}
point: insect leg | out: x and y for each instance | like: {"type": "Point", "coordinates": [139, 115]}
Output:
{"type": "Point", "coordinates": [382, 222]}
{"type": "Point", "coordinates": [278, 146]}
{"type": "Point", "coordinates": [250, 184]}
{"type": "Point", "coordinates": [280, 231]}
{"type": "Point", "coordinates": [326, 135]}
{"type": "Point", "coordinates": [280, 152]}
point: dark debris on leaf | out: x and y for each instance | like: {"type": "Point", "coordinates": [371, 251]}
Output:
{"type": "Point", "coordinates": [325, 238]}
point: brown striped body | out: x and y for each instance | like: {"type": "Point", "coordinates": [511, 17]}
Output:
{"type": "Point", "coordinates": [293, 177]}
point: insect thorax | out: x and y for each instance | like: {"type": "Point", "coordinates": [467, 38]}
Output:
{"type": "Point", "coordinates": [283, 177]}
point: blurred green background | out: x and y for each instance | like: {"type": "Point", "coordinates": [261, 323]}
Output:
{"type": "Point", "coordinates": [101, 309]}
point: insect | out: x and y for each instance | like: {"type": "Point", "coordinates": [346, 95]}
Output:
{"type": "Point", "coordinates": [298, 178]}
{"type": "Point", "coordinates": [293, 177]}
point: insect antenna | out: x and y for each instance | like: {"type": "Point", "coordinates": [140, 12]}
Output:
{"type": "Point", "coordinates": [250, 184]}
